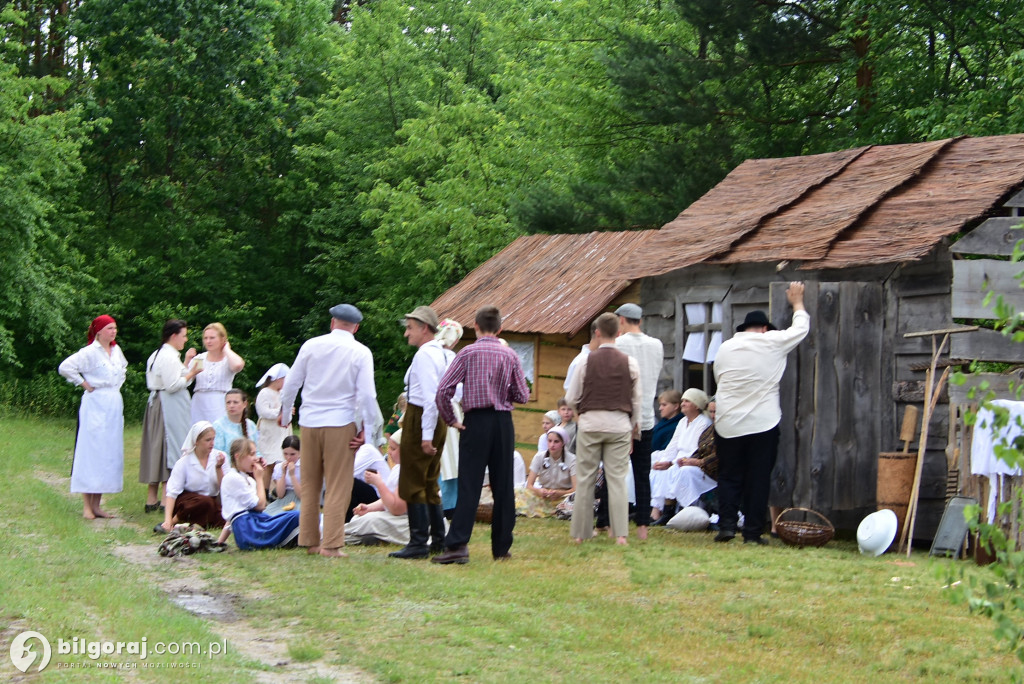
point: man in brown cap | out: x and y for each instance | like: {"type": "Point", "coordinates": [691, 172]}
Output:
{"type": "Point", "coordinates": [423, 435]}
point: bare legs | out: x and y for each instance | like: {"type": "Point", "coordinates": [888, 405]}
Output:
{"type": "Point", "coordinates": [91, 507]}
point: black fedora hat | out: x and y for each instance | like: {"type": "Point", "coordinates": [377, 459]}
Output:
{"type": "Point", "coordinates": [755, 318]}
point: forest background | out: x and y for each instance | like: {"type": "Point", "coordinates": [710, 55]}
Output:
{"type": "Point", "coordinates": [257, 161]}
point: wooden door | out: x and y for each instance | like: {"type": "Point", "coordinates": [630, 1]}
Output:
{"type": "Point", "coordinates": [831, 398]}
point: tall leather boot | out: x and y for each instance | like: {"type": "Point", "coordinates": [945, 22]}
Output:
{"type": "Point", "coordinates": [419, 521]}
{"type": "Point", "coordinates": [436, 514]}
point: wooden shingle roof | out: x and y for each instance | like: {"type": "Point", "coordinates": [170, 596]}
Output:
{"type": "Point", "coordinates": [864, 206]}
{"type": "Point", "coordinates": [546, 283]}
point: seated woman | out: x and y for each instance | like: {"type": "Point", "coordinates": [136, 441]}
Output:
{"type": "Point", "coordinates": [287, 479]}
{"type": "Point", "coordinates": [194, 482]}
{"type": "Point", "coordinates": [235, 424]}
{"type": "Point", "coordinates": [243, 498]}
{"type": "Point", "coordinates": [383, 520]}
{"type": "Point", "coordinates": [676, 484]}
{"type": "Point", "coordinates": [367, 457]}
{"type": "Point", "coordinates": [552, 478]}
{"type": "Point", "coordinates": [669, 404]}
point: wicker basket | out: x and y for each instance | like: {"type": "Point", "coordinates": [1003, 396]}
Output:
{"type": "Point", "coordinates": [485, 512]}
{"type": "Point", "coordinates": [798, 533]}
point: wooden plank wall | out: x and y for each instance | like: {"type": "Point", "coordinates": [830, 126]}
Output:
{"type": "Point", "coordinates": [833, 384]}
{"type": "Point", "coordinates": [919, 297]}
{"type": "Point", "coordinates": [910, 297]}
{"type": "Point", "coordinates": [554, 353]}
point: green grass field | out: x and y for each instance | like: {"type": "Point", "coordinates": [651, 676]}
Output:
{"type": "Point", "coordinates": [675, 608]}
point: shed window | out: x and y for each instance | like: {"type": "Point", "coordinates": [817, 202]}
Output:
{"type": "Point", "coordinates": [702, 328]}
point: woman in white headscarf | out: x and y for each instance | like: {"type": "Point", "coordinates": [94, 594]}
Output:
{"type": "Point", "coordinates": [552, 478]}
{"type": "Point", "coordinates": [449, 333]}
{"type": "Point", "coordinates": [680, 477]}
{"type": "Point", "coordinates": [268, 408]}
{"type": "Point", "coordinates": [195, 481]}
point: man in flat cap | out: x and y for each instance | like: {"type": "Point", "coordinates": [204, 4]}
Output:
{"type": "Point", "coordinates": [335, 373]}
{"type": "Point", "coordinates": [423, 434]}
{"type": "Point", "coordinates": [748, 369]}
{"type": "Point", "coordinates": [650, 356]}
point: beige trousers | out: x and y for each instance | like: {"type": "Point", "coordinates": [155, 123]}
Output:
{"type": "Point", "coordinates": [327, 462]}
{"type": "Point", "coordinates": [591, 449]}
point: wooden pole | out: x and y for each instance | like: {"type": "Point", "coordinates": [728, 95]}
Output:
{"type": "Point", "coordinates": [931, 397]}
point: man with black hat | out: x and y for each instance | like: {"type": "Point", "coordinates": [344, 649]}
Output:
{"type": "Point", "coordinates": [748, 369]}
{"type": "Point", "coordinates": [335, 373]}
{"type": "Point", "coordinates": [423, 434]}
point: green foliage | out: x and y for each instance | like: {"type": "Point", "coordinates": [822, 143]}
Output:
{"type": "Point", "coordinates": [39, 168]}
{"type": "Point", "coordinates": [257, 162]}
{"type": "Point", "coordinates": [999, 595]}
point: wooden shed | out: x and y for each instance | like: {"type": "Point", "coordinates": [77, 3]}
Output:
{"type": "Point", "coordinates": [887, 239]}
{"type": "Point", "coordinates": [548, 288]}
{"type": "Point", "coordinates": [874, 233]}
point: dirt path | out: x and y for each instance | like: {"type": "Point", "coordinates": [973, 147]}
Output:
{"type": "Point", "coordinates": [196, 595]}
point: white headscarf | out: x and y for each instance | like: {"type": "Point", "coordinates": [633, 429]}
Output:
{"type": "Point", "coordinates": [189, 446]}
{"type": "Point", "coordinates": [278, 370]}
{"type": "Point", "coordinates": [449, 332]}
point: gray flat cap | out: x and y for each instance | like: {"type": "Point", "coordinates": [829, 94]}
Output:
{"type": "Point", "coordinates": [630, 311]}
{"type": "Point", "coordinates": [347, 313]}
{"type": "Point", "coordinates": [425, 315]}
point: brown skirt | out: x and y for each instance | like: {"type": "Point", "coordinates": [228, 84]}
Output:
{"type": "Point", "coordinates": [200, 509]}
{"type": "Point", "coordinates": [153, 455]}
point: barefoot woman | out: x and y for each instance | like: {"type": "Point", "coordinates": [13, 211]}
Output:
{"type": "Point", "coordinates": [99, 369]}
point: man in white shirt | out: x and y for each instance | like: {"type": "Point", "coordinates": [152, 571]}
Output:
{"type": "Point", "coordinates": [748, 369]}
{"type": "Point", "coordinates": [423, 435]}
{"type": "Point", "coordinates": [650, 356]}
{"type": "Point", "coordinates": [584, 353]}
{"type": "Point", "coordinates": [335, 373]}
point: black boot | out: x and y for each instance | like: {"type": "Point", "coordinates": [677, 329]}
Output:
{"type": "Point", "coordinates": [419, 522]}
{"type": "Point", "coordinates": [666, 515]}
{"type": "Point", "coordinates": [436, 514]}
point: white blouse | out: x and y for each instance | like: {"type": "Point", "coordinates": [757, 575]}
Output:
{"type": "Point", "coordinates": [281, 471]}
{"type": "Point", "coordinates": [165, 371]}
{"type": "Point", "coordinates": [93, 364]}
{"type": "Point", "coordinates": [216, 375]}
{"type": "Point", "coordinates": [684, 440]}
{"type": "Point", "coordinates": [237, 494]}
{"type": "Point", "coordinates": [189, 476]}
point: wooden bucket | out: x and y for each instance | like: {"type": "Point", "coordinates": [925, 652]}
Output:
{"type": "Point", "coordinates": [895, 482]}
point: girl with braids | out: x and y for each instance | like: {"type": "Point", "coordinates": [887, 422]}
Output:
{"type": "Point", "coordinates": [243, 497]}
{"type": "Point", "coordinates": [235, 424]}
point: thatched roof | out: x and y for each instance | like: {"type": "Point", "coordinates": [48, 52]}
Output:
{"type": "Point", "coordinates": [546, 283]}
{"type": "Point", "coordinates": [864, 206]}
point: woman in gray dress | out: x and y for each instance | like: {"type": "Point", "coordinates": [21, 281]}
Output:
{"type": "Point", "coordinates": [168, 412]}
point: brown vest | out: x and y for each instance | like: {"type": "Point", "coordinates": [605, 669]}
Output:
{"type": "Point", "coordinates": [607, 385]}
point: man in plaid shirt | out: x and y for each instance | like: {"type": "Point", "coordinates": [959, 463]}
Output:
{"type": "Point", "coordinates": [492, 380]}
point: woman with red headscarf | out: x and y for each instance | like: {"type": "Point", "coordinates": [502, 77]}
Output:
{"type": "Point", "coordinates": [99, 369]}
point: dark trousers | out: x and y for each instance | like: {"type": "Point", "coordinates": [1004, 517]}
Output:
{"type": "Point", "coordinates": [744, 479]}
{"type": "Point", "coordinates": [640, 460]}
{"type": "Point", "coordinates": [417, 481]}
{"type": "Point", "coordinates": [487, 442]}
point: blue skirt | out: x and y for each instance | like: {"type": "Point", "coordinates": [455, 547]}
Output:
{"type": "Point", "coordinates": [254, 530]}
{"type": "Point", "coordinates": [449, 493]}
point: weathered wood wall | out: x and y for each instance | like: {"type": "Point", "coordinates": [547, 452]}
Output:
{"type": "Point", "coordinates": [858, 360]}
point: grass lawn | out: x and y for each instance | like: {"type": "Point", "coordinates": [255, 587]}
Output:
{"type": "Point", "coordinates": [677, 608]}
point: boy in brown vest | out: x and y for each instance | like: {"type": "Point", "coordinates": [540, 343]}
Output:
{"type": "Point", "coordinates": [605, 393]}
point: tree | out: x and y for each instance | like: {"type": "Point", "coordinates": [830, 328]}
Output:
{"type": "Point", "coordinates": [39, 170]}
